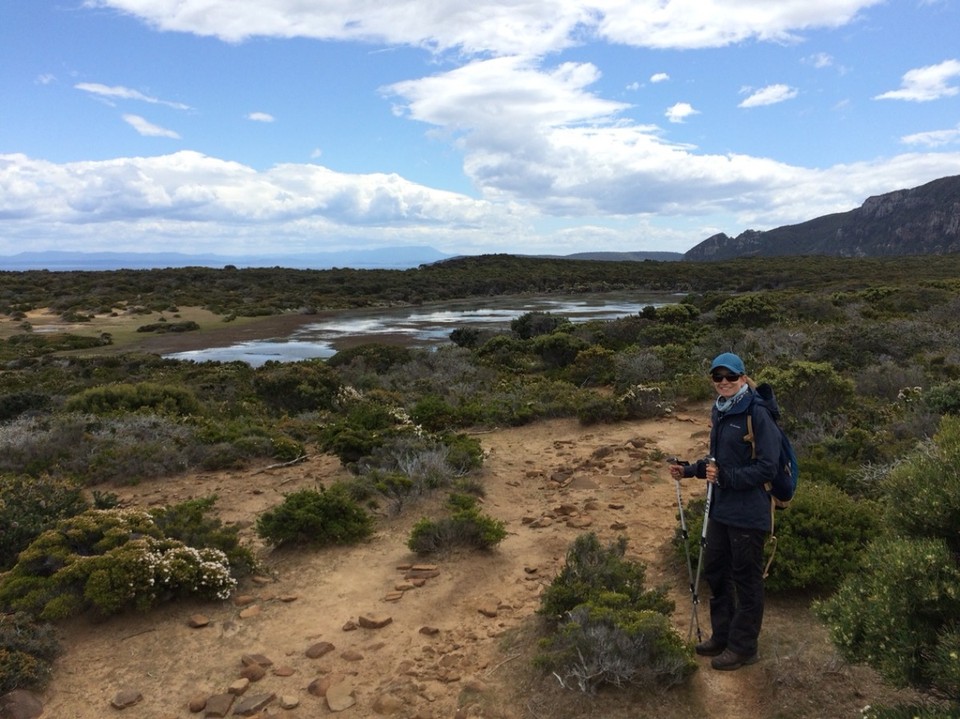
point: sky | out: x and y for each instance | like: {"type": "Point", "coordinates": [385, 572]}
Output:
{"type": "Point", "coordinates": [472, 127]}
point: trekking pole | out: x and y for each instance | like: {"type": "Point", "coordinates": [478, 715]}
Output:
{"type": "Point", "coordinates": [703, 541]}
{"type": "Point", "coordinates": [685, 535]}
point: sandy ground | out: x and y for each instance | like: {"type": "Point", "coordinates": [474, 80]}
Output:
{"type": "Point", "coordinates": [609, 479]}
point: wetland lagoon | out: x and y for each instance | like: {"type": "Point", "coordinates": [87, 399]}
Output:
{"type": "Point", "coordinates": [423, 326]}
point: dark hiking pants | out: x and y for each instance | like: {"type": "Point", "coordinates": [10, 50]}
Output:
{"type": "Point", "coordinates": [733, 567]}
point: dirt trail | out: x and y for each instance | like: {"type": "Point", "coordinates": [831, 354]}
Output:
{"type": "Point", "coordinates": [607, 479]}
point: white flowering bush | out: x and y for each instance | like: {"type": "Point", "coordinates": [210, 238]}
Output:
{"type": "Point", "coordinates": [109, 561]}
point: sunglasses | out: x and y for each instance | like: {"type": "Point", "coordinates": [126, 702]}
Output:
{"type": "Point", "coordinates": [725, 377]}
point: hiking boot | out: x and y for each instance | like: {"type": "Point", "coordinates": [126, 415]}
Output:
{"type": "Point", "coordinates": [730, 660]}
{"type": "Point", "coordinates": [710, 648]}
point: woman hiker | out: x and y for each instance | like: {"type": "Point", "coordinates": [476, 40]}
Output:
{"type": "Point", "coordinates": [739, 518]}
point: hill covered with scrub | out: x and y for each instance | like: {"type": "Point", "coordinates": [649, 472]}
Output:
{"type": "Point", "coordinates": [864, 355]}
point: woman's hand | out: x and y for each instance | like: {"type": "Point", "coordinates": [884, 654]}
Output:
{"type": "Point", "coordinates": [713, 474]}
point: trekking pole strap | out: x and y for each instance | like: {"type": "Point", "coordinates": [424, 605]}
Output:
{"type": "Point", "coordinates": [773, 536]}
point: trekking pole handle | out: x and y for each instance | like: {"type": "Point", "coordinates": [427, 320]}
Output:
{"type": "Point", "coordinates": [712, 462]}
{"type": "Point", "coordinates": [706, 508]}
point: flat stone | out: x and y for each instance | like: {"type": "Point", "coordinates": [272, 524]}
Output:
{"type": "Point", "coordinates": [253, 672]}
{"type": "Point", "coordinates": [284, 670]}
{"type": "Point", "coordinates": [289, 701]}
{"type": "Point", "coordinates": [218, 706]}
{"type": "Point", "coordinates": [196, 621]}
{"type": "Point", "coordinates": [321, 685]}
{"type": "Point", "coordinates": [239, 686]}
{"type": "Point", "coordinates": [263, 661]}
{"type": "Point", "coordinates": [387, 704]}
{"type": "Point", "coordinates": [251, 611]}
{"type": "Point", "coordinates": [340, 697]}
{"type": "Point", "coordinates": [315, 651]}
{"type": "Point", "coordinates": [429, 631]}
{"type": "Point", "coordinates": [374, 621]}
{"type": "Point", "coordinates": [253, 704]}
{"type": "Point", "coordinates": [126, 698]}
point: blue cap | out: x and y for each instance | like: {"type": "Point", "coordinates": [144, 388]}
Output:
{"type": "Point", "coordinates": [730, 361]}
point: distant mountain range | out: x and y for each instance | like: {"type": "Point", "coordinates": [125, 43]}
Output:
{"type": "Point", "coordinates": [391, 258]}
{"type": "Point", "coordinates": [924, 220]}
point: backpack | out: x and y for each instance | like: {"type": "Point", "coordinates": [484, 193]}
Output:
{"type": "Point", "coordinates": [784, 484]}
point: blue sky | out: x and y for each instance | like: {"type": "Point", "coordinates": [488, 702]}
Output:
{"type": "Point", "coordinates": [522, 126]}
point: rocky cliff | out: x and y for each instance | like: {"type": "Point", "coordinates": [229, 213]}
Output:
{"type": "Point", "coordinates": [924, 220]}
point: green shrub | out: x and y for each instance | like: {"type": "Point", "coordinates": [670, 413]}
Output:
{"type": "Point", "coordinates": [464, 452]}
{"type": "Point", "coordinates": [111, 399]}
{"type": "Point", "coordinates": [14, 404]}
{"type": "Point", "coordinates": [558, 350]}
{"type": "Point", "coordinates": [376, 357]}
{"type": "Point", "coordinates": [465, 527]}
{"type": "Point", "coordinates": [365, 427]}
{"type": "Point", "coordinates": [191, 523]}
{"type": "Point", "coordinates": [295, 387]}
{"type": "Point", "coordinates": [896, 613]}
{"type": "Point", "coordinates": [599, 409]}
{"type": "Point", "coordinates": [434, 413]}
{"type": "Point", "coordinates": [944, 398]}
{"type": "Point", "coordinates": [748, 310]}
{"type": "Point", "coordinates": [601, 645]}
{"type": "Point", "coordinates": [820, 537]}
{"type": "Point", "coordinates": [593, 366]}
{"type": "Point", "coordinates": [30, 506]}
{"type": "Point", "coordinates": [607, 627]}
{"type": "Point", "coordinates": [109, 561]}
{"type": "Point", "coordinates": [808, 388]}
{"type": "Point", "coordinates": [923, 492]}
{"type": "Point", "coordinates": [316, 517]}
{"type": "Point", "coordinates": [27, 651]}
{"type": "Point", "coordinates": [534, 324]}
{"type": "Point", "coordinates": [593, 572]}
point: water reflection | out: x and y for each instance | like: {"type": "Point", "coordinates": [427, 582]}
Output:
{"type": "Point", "coordinates": [424, 326]}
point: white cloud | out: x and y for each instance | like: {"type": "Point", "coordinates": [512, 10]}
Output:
{"type": "Point", "coordinates": [500, 27]}
{"type": "Point", "coordinates": [194, 203]}
{"type": "Point", "coordinates": [192, 198]}
{"type": "Point", "coordinates": [659, 77]}
{"type": "Point", "coordinates": [125, 93]}
{"type": "Point", "coordinates": [819, 60]}
{"type": "Point", "coordinates": [933, 138]}
{"type": "Point", "coordinates": [769, 95]}
{"type": "Point", "coordinates": [260, 117]}
{"type": "Point", "coordinates": [923, 84]}
{"type": "Point", "coordinates": [46, 78]}
{"type": "Point", "coordinates": [680, 112]}
{"type": "Point", "coordinates": [148, 129]}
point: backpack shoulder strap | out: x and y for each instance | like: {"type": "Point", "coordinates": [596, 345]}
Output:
{"type": "Point", "coordinates": [750, 436]}
{"type": "Point", "coordinates": [752, 439]}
